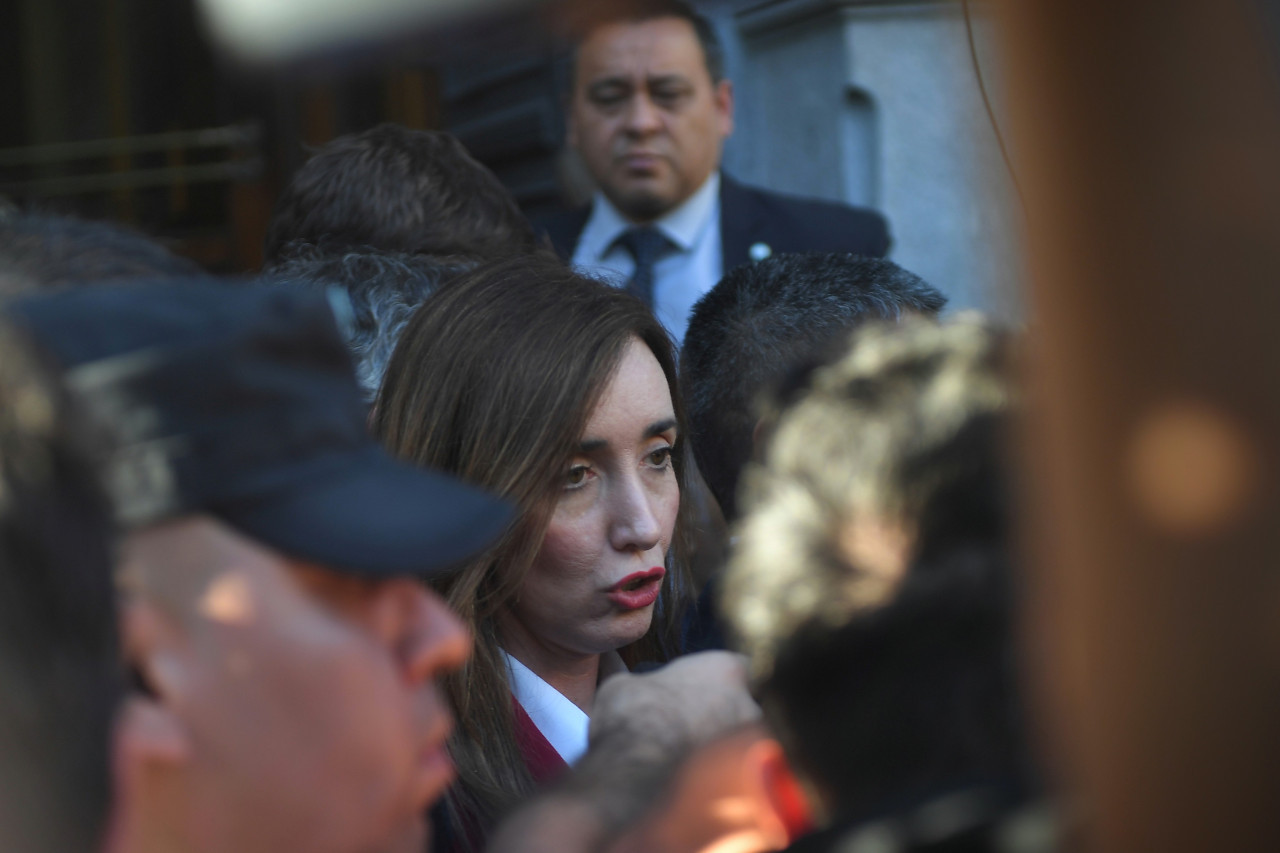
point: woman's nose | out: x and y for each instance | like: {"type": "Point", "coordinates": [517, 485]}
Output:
{"type": "Point", "coordinates": [635, 525]}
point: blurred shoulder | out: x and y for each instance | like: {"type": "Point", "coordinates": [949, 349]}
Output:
{"type": "Point", "coordinates": [792, 223]}
{"type": "Point", "coordinates": [562, 228]}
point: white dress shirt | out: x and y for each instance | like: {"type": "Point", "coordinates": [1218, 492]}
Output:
{"type": "Point", "coordinates": [561, 722]}
{"type": "Point", "coordinates": [680, 277]}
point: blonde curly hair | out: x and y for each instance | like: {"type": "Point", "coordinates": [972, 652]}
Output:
{"type": "Point", "coordinates": [857, 457]}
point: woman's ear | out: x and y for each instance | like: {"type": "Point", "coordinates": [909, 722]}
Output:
{"type": "Point", "coordinates": [783, 805]}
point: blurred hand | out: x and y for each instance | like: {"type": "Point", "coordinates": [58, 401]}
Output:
{"type": "Point", "coordinates": [686, 703]}
{"type": "Point", "coordinates": [642, 728]}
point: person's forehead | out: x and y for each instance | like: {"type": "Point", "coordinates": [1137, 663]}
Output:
{"type": "Point", "coordinates": [636, 396]}
{"type": "Point", "coordinates": [651, 48]}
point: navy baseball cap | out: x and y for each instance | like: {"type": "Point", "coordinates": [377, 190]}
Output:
{"type": "Point", "coordinates": [241, 401]}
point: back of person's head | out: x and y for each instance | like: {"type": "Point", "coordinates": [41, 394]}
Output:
{"type": "Point", "coordinates": [383, 288]}
{"type": "Point", "coordinates": [870, 587]}
{"type": "Point", "coordinates": [59, 655]}
{"type": "Point", "coordinates": [909, 701]}
{"type": "Point", "coordinates": [894, 454]}
{"type": "Point", "coordinates": [764, 319]}
{"type": "Point", "coordinates": [53, 251]}
{"type": "Point", "coordinates": [890, 465]}
{"type": "Point", "coordinates": [397, 190]}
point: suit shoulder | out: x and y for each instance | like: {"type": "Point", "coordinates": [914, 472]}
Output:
{"type": "Point", "coordinates": [562, 228]}
{"type": "Point", "coordinates": [807, 207]}
{"type": "Point", "coordinates": [804, 224]}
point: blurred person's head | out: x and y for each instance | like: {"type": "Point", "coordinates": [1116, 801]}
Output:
{"type": "Point", "coordinates": [397, 190]}
{"type": "Point", "coordinates": [890, 465]}
{"type": "Point", "coordinates": [288, 704]}
{"type": "Point", "coordinates": [559, 393]}
{"type": "Point", "coordinates": [284, 650]}
{"type": "Point", "coordinates": [44, 251]}
{"type": "Point", "coordinates": [650, 108]}
{"type": "Point", "coordinates": [383, 290]}
{"type": "Point", "coordinates": [764, 320]}
{"type": "Point", "coordinates": [59, 654]}
{"type": "Point", "coordinates": [911, 703]}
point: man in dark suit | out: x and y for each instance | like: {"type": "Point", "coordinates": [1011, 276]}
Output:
{"type": "Point", "coordinates": [649, 113]}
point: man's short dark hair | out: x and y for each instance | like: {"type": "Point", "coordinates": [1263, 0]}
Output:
{"type": "Point", "coordinates": [383, 288]}
{"type": "Point", "coordinates": [51, 251]}
{"type": "Point", "coordinates": [909, 701]}
{"type": "Point", "coordinates": [648, 10]}
{"type": "Point", "coordinates": [59, 653]}
{"type": "Point", "coordinates": [393, 189]}
{"type": "Point", "coordinates": [765, 319]}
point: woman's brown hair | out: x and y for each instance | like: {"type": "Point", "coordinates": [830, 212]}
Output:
{"type": "Point", "coordinates": [494, 380]}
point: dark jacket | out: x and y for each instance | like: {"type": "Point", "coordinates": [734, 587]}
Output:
{"type": "Point", "coordinates": [749, 215]}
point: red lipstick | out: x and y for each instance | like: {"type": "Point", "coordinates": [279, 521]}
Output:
{"type": "Point", "coordinates": [637, 590]}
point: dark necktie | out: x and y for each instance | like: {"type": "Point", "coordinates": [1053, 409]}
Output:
{"type": "Point", "coordinates": [646, 245]}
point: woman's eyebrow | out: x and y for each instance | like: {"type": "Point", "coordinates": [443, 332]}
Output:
{"type": "Point", "coordinates": [590, 445]}
{"type": "Point", "coordinates": [659, 427]}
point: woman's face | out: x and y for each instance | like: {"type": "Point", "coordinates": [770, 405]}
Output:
{"type": "Point", "coordinates": [593, 584]}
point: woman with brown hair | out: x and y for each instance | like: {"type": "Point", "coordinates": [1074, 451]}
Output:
{"type": "Point", "coordinates": [559, 393]}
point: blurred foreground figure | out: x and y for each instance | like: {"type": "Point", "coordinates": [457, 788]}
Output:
{"type": "Point", "coordinates": [284, 652]}
{"type": "Point", "coordinates": [763, 322]}
{"type": "Point", "coordinates": [60, 676]}
{"type": "Point", "coordinates": [643, 729]}
{"type": "Point", "coordinates": [393, 189]}
{"type": "Point", "coordinates": [649, 112]}
{"type": "Point", "coordinates": [383, 289]}
{"type": "Point", "coordinates": [872, 593]}
{"type": "Point", "coordinates": [52, 251]}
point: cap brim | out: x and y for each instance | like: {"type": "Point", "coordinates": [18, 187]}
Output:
{"type": "Point", "coordinates": [375, 517]}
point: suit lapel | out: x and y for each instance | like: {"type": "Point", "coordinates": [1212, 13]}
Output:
{"type": "Point", "coordinates": [739, 222]}
{"type": "Point", "coordinates": [564, 229]}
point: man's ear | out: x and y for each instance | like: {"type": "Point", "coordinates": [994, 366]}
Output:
{"type": "Point", "coordinates": [147, 729]}
{"type": "Point", "coordinates": [150, 748]}
{"type": "Point", "coordinates": [783, 806]}
{"type": "Point", "coordinates": [723, 97]}
{"type": "Point", "coordinates": [149, 734]}
{"type": "Point", "coordinates": [759, 435]}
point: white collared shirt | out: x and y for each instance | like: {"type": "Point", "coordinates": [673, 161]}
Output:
{"type": "Point", "coordinates": [561, 722]}
{"type": "Point", "coordinates": [683, 275]}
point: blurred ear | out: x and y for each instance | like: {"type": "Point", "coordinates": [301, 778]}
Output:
{"type": "Point", "coordinates": [151, 746]}
{"type": "Point", "coordinates": [759, 435]}
{"type": "Point", "coordinates": [149, 735]}
{"type": "Point", "coordinates": [148, 732]}
{"type": "Point", "coordinates": [722, 94]}
{"type": "Point", "coordinates": [784, 809]}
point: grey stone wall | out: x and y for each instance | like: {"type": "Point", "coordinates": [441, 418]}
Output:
{"type": "Point", "coordinates": [877, 103]}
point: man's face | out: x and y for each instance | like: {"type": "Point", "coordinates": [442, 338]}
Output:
{"type": "Point", "coordinates": [645, 117]}
{"type": "Point", "coordinates": [306, 698]}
